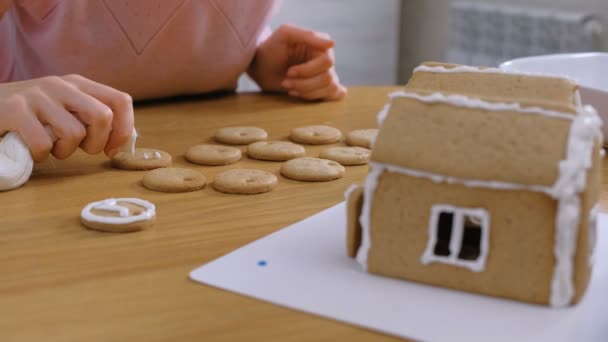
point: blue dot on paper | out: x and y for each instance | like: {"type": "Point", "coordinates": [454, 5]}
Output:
{"type": "Point", "coordinates": [262, 263]}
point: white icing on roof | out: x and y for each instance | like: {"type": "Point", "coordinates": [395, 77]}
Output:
{"type": "Point", "coordinates": [470, 102]}
{"type": "Point", "coordinates": [466, 68]}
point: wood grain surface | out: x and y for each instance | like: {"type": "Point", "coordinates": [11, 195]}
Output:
{"type": "Point", "coordinates": [62, 282]}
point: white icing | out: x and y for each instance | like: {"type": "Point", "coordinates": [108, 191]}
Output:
{"type": "Point", "coordinates": [371, 183]}
{"type": "Point", "coordinates": [457, 69]}
{"type": "Point", "coordinates": [129, 146]}
{"type": "Point", "coordinates": [466, 68]}
{"type": "Point", "coordinates": [16, 162]}
{"type": "Point", "coordinates": [473, 183]}
{"type": "Point", "coordinates": [148, 156]}
{"type": "Point", "coordinates": [570, 183]}
{"type": "Point", "coordinates": [350, 190]}
{"type": "Point", "coordinates": [470, 102]}
{"type": "Point", "coordinates": [567, 188]}
{"type": "Point", "coordinates": [112, 205]}
{"type": "Point", "coordinates": [383, 114]}
{"type": "Point", "coordinates": [476, 265]}
{"type": "Point", "coordinates": [592, 233]}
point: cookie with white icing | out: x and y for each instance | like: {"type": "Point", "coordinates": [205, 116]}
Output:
{"type": "Point", "coordinates": [245, 181]}
{"type": "Point", "coordinates": [275, 150]}
{"type": "Point", "coordinates": [240, 135]}
{"type": "Point", "coordinates": [174, 179]}
{"type": "Point", "coordinates": [362, 137]}
{"type": "Point", "coordinates": [118, 215]}
{"type": "Point", "coordinates": [141, 160]}
{"type": "Point", "coordinates": [347, 156]}
{"type": "Point", "coordinates": [213, 155]}
{"type": "Point", "coordinates": [309, 169]}
{"type": "Point", "coordinates": [315, 135]}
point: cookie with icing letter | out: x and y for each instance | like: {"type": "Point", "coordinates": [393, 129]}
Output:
{"type": "Point", "coordinates": [119, 215]}
{"type": "Point", "coordinates": [141, 159]}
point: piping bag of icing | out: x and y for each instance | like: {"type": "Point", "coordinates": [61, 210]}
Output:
{"type": "Point", "coordinates": [16, 162]}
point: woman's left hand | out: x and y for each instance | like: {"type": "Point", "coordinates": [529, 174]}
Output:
{"type": "Point", "coordinates": [299, 62]}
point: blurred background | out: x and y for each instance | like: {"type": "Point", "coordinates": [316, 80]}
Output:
{"type": "Point", "coordinates": [381, 41]}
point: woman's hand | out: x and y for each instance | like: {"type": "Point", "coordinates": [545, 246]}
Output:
{"type": "Point", "coordinates": [299, 62]}
{"type": "Point", "coordinates": [79, 112]}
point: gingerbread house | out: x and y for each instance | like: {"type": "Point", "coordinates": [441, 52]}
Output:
{"type": "Point", "coordinates": [482, 181]}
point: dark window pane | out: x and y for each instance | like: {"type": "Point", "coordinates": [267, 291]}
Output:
{"type": "Point", "coordinates": [471, 238]}
{"type": "Point", "coordinates": [444, 234]}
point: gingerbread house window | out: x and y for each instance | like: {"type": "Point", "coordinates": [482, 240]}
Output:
{"type": "Point", "coordinates": [458, 236]}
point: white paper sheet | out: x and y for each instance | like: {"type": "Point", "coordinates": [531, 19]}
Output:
{"type": "Point", "coordinates": [305, 267]}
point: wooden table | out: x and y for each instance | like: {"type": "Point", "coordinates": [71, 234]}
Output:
{"type": "Point", "coordinates": [61, 282]}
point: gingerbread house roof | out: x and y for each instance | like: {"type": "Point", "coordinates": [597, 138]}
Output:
{"type": "Point", "coordinates": [474, 139]}
{"type": "Point", "coordinates": [484, 124]}
{"type": "Point", "coordinates": [492, 82]}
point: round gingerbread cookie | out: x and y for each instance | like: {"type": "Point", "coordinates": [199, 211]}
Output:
{"type": "Point", "coordinates": [242, 135]}
{"type": "Point", "coordinates": [118, 215]}
{"type": "Point", "coordinates": [275, 150]}
{"type": "Point", "coordinates": [244, 181]}
{"type": "Point", "coordinates": [347, 155]}
{"type": "Point", "coordinates": [174, 179]}
{"type": "Point", "coordinates": [213, 155]}
{"type": "Point", "coordinates": [141, 160]}
{"type": "Point", "coordinates": [362, 137]}
{"type": "Point", "coordinates": [315, 135]}
{"type": "Point", "coordinates": [312, 169]}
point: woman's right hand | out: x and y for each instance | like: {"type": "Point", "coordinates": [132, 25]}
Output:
{"type": "Point", "coordinates": [80, 112]}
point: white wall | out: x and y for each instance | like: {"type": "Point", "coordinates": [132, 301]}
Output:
{"type": "Point", "coordinates": [366, 34]}
{"type": "Point", "coordinates": [425, 25]}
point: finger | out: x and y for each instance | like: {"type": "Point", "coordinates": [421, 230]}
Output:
{"type": "Point", "coordinates": [95, 115]}
{"type": "Point", "coordinates": [121, 105]}
{"type": "Point", "coordinates": [315, 66]}
{"type": "Point", "coordinates": [292, 34]}
{"type": "Point", "coordinates": [21, 119]}
{"type": "Point", "coordinates": [69, 132]}
{"type": "Point", "coordinates": [331, 92]}
{"type": "Point", "coordinates": [305, 85]}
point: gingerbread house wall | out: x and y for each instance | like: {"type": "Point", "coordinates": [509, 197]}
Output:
{"type": "Point", "coordinates": [520, 260]}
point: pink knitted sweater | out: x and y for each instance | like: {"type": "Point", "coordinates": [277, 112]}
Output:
{"type": "Point", "coordinates": [147, 48]}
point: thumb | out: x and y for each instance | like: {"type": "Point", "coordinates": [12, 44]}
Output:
{"type": "Point", "coordinates": [295, 35]}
